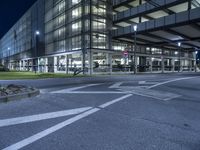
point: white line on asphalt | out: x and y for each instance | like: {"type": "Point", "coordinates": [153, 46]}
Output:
{"type": "Point", "coordinates": [141, 82]}
{"type": "Point", "coordinates": [135, 93]}
{"type": "Point", "coordinates": [167, 99]}
{"type": "Point", "coordinates": [26, 119]}
{"type": "Point", "coordinates": [61, 125]}
{"type": "Point", "coordinates": [116, 85]}
{"type": "Point", "coordinates": [50, 130]}
{"type": "Point", "coordinates": [96, 92]}
{"type": "Point", "coordinates": [114, 101]}
{"type": "Point", "coordinates": [75, 88]}
{"type": "Point", "coordinates": [147, 83]}
{"type": "Point", "coordinates": [162, 83]}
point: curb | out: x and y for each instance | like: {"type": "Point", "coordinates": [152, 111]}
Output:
{"type": "Point", "coordinates": [15, 97]}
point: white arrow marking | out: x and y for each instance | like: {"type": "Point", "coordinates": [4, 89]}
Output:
{"type": "Point", "coordinates": [75, 88]}
{"type": "Point", "coordinates": [116, 85]}
{"type": "Point", "coordinates": [26, 119]}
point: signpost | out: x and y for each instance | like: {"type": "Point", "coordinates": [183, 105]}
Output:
{"type": "Point", "coordinates": [125, 55]}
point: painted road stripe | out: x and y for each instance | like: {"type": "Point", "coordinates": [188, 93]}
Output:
{"type": "Point", "coordinates": [73, 89]}
{"type": "Point", "coordinates": [174, 80]}
{"type": "Point", "coordinates": [116, 85]}
{"type": "Point", "coordinates": [147, 83]}
{"type": "Point", "coordinates": [26, 119]}
{"type": "Point", "coordinates": [50, 130]}
{"type": "Point", "coordinates": [61, 125]}
{"type": "Point", "coordinates": [96, 92]}
{"type": "Point", "coordinates": [115, 101]}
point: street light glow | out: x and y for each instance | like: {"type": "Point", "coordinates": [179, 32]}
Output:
{"type": "Point", "coordinates": [179, 44]}
{"type": "Point", "coordinates": [176, 53]}
{"type": "Point", "coordinates": [8, 48]}
{"type": "Point", "coordinates": [37, 32]}
{"type": "Point", "coordinates": [196, 52]}
{"type": "Point", "coordinates": [135, 27]}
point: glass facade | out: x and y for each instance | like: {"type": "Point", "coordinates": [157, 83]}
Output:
{"type": "Point", "coordinates": [77, 35]}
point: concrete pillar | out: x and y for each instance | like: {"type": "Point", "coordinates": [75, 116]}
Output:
{"type": "Point", "coordinates": [181, 65]}
{"type": "Point", "coordinates": [55, 64]}
{"type": "Point", "coordinates": [162, 64]}
{"type": "Point", "coordinates": [173, 64]}
{"type": "Point", "coordinates": [45, 65]}
{"type": "Point", "coordinates": [109, 62]}
{"type": "Point", "coordinates": [38, 65]}
{"type": "Point", "coordinates": [190, 65]}
{"type": "Point", "coordinates": [32, 65]}
{"type": "Point", "coordinates": [90, 62]}
{"type": "Point", "coordinates": [67, 64]}
{"type": "Point", "coordinates": [195, 65]}
{"type": "Point", "coordinates": [20, 65]}
{"type": "Point", "coordinates": [151, 65]}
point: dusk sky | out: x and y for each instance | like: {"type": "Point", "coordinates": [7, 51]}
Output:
{"type": "Point", "coordinates": [11, 11]}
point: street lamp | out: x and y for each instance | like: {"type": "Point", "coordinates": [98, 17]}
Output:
{"type": "Point", "coordinates": [197, 60]}
{"type": "Point", "coordinates": [179, 45]}
{"type": "Point", "coordinates": [37, 33]}
{"type": "Point", "coordinates": [135, 65]}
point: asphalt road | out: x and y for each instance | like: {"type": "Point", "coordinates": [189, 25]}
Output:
{"type": "Point", "coordinates": [142, 112]}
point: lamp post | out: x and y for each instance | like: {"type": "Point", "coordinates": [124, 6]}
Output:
{"type": "Point", "coordinates": [8, 65]}
{"type": "Point", "coordinates": [37, 33]}
{"type": "Point", "coordinates": [179, 56]}
{"type": "Point", "coordinates": [135, 62]}
{"type": "Point", "coordinates": [196, 61]}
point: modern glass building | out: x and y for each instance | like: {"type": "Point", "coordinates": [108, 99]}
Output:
{"type": "Point", "coordinates": [98, 36]}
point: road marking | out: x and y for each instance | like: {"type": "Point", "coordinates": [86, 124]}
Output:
{"type": "Point", "coordinates": [173, 97]}
{"type": "Point", "coordinates": [147, 83]}
{"type": "Point", "coordinates": [141, 82]}
{"type": "Point", "coordinates": [50, 130]}
{"type": "Point", "coordinates": [116, 85]}
{"type": "Point", "coordinates": [114, 101]}
{"type": "Point", "coordinates": [162, 83]}
{"type": "Point", "coordinates": [95, 92]}
{"type": "Point", "coordinates": [154, 97]}
{"type": "Point", "coordinates": [73, 89]}
{"type": "Point", "coordinates": [61, 125]}
{"type": "Point", "coordinates": [27, 119]}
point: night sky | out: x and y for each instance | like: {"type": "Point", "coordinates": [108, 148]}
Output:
{"type": "Point", "coordinates": [11, 11]}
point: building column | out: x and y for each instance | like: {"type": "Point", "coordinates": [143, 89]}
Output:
{"type": "Point", "coordinates": [181, 65]}
{"type": "Point", "coordinates": [45, 65]}
{"type": "Point", "coordinates": [67, 64]}
{"type": "Point", "coordinates": [55, 64]}
{"type": "Point", "coordinates": [90, 62]}
{"type": "Point", "coordinates": [173, 64]}
{"type": "Point", "coordinates": [20, 64]}
{"type": "Point", "coordinates": [195, 65]}
{"type": "Point", "coordinates": [190, 65]}
{"type": "Point", "coordinates": [151, 65]}
{"type": "Point", "coordinates": [38, 65]}
{"type": "Point", "coordinates": [162, 64]}
{"type": "Point", "coordinates": [32, 65]}
{"type": "Point", "coordinates": [109, 62]}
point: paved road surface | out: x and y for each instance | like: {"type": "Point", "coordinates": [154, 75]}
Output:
{"type": "Point", "coordinates": [143, 112]}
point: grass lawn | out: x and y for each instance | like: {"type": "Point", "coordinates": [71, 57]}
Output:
{"type": "Point", "coordinates": [31, 75]}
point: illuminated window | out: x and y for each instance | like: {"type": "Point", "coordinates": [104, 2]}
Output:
{"type": "Point", "coordinates": [75, 2]}
{"type": "Point", "coordinates": [76, 12]}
